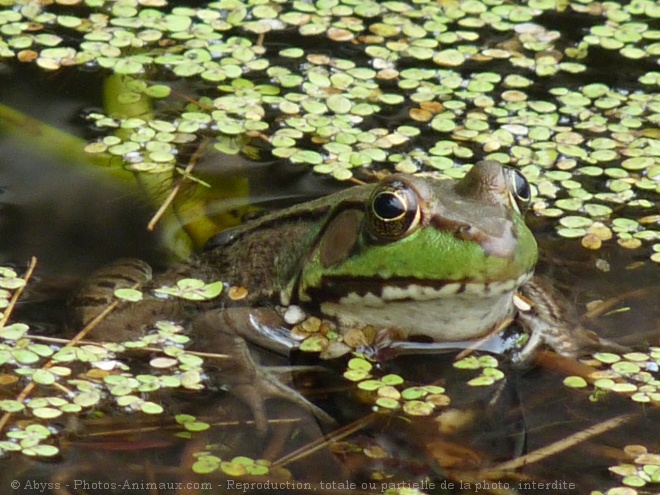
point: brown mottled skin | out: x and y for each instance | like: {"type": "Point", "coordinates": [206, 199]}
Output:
{"type": "Point", "coordinates": [257, 256]}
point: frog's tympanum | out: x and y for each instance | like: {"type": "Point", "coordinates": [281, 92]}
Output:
{"type": "Point", "coordinates": [439, 258]}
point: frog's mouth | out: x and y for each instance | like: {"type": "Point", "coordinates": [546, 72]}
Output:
{"type": "Point", "coordinates": [352, 290]}
{"type": "Point", "coordinates": [449, 312]}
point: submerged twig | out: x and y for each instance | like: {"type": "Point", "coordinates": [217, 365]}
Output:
{"type": "Point", "coordinates": [325, 440]}
{"type": "Point", "coordinates": [56, 340]}
{"type": "Point", "coordinates": [175, 190]}
{"type": "Point", "coordinates": [564, 443]}
{"type": "Point", "coordinates": [605, 306]}
{"type": "Point", "coordinates": [17, 294]}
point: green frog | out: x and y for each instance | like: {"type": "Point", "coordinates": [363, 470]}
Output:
{"type": "Point", "coordinates": [411, 256]}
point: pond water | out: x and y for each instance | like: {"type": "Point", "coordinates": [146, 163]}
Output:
{"type": "Point", "coordinates": [74, 220]}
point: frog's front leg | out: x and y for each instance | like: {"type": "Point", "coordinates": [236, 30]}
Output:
{"type": "Point", "coordinates": [550, 319]}
{"type": "Point", "coordinates": [226, 331]}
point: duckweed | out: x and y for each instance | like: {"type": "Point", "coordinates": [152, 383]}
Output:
{"type": "Point", "coordinates": [633, 374]}
{"type": "Point", "coordinates": [595, 126]}
{"type": "Point", "coordinates": [83, 373]}
{"type": "Point", "coordinates": [487, 365]}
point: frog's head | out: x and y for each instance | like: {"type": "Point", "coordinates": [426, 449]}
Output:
{"type": "Point", "coordinates": [423, 232]}
{"type": "Point", "coordinates": [409, 237]}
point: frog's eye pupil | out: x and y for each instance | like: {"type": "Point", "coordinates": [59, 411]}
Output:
{"type": "Point", "coordinates": [388, 206]}
{"type": "Point", "coordinates": [521, 186]}
{"type": "Point", "coordinates": [393, 212]}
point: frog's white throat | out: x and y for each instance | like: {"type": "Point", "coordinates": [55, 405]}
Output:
{"type": "Point", "coordinates": [451, 312]}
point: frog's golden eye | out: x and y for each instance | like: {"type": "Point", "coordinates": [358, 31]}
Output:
{"type": "Point", "coordinates": [519, 187]}
{"type": "Point", "coordinates": [393, 211]}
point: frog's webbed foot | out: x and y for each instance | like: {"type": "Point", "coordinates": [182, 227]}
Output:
{"type": "Point", "coordinates": [226, 331]}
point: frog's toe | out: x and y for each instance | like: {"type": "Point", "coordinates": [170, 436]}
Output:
{"type": "Point", "coordinates": [254, 398]}
{"type": "Point", "coordinates": [263, 385]}
{"type": "Point", "coordinates": [251, 383]}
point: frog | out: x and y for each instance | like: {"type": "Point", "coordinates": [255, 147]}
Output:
{"type": "Point", "coordinates": [446, 260]}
